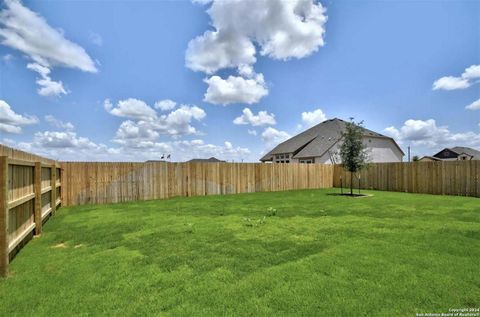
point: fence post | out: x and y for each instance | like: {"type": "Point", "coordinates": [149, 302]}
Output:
{"type": "Point", "coordinates": [53, 185]}
{"type": "Point", "coordinates": [38, 197]}
{"type": "Point", "coordinates": [3, 216]}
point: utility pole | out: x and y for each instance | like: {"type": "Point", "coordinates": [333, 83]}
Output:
{"type": "Point", "coordinates": [409, 153]}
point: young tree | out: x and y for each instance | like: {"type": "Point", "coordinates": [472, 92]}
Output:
{"type": "Point", "coordinates": [352, 150]}
{"type": "Point", "coordinates": [415, 158]}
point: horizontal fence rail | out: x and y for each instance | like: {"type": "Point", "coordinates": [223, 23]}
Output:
{"type": "Point", "coordinates": [460, 178]}
{"type": "Point", "coordinates": [29, 193]}
{"type": "Point", "coordinates": [100, 183]}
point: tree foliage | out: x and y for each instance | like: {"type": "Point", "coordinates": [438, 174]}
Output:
{"type": "Point", "coordinates": [353, 151]}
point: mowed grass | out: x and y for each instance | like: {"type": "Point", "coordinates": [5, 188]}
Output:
{"type": "Point", "coordinates": [392, 254]}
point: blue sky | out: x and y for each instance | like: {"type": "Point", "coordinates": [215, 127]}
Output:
{"type": "Point", "coordinates": [409, 69]}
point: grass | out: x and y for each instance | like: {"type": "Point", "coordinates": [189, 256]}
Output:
{"type": "Point", "coordinates": [302, 253]}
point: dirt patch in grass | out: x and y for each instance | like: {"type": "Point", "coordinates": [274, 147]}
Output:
{"type": "Point", "coordinates": [60, 246]}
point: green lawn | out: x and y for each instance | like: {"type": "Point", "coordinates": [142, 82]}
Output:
{"type": "Point", "coordinates": [391, 254]}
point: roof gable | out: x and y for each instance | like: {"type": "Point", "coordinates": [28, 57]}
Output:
{"type": "Point", "coordinates": [316, 140]}
{"type": "Point", "coordinates": [454, 152]}
{"type": "Point", "coordinates": [469, 151]}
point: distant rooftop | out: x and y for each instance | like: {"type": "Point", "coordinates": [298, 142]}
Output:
{"type": "Point", "coordinates": [473, 153]}
{"type": "Point", "coordinates": [209, 160]}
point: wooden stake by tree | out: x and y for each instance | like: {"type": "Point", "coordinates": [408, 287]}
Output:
{"type": "Point", "coordinates": [352, 150]}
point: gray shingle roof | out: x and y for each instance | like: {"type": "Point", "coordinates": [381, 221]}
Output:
{"type": "Point", "coordinates": [209, 160]}
{"type": "Point", "coordinates": [462, 149]}
{"type": "Point", "coordinates": [316, 140]}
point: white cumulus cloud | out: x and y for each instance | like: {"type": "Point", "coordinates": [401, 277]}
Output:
{"type": "Point", "coordinates": [311, 118]}
{"type": "Point", "coordinates": [451, 83]}
{"type": "Point", "coordinates": [135, 134]}
{"type": "Point", "coordinates": [427, 137]}
{"type": "Point", "coordinates": [472, 72]}
{"type": "Point", "coordinates": [272, 136]}
{"type": "Point", "coordinates": [281, 29]}
{"type": "Point", "coordinates": [62, 139]}
{"type": "Point", "coordinates": [28, 32]}
{"type": "Point", "coordinates": [48, 87]}
{"type": "Point", "coordinates": [213, 51]}
{"type": "Point", "coordinates": [12, 122]}
{"type": "Point", "coordinates": [235, 89]}
{"type": "Point", "coordinates": [474, 105]}
{"type": "Point", "coordinates": [262, 118]}
{"type": "Point", "coordinates": [165, 105]}
{"type": "Point", "coordinates": [145, 125]}
{"type": "Point", "coordinates": [178, 122]}
{"type": "Point", "coordinates": [467, 79]}
{"type": "Point", "coordinates": [69, 146]}
{"type": "Point", "coordinates": [130, 108]}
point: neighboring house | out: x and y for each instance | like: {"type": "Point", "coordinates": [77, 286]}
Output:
{"type": "Point", "coordinates": [428, 159]}
{"type": "Point", "coordinates": [209, 160]}
{"type": "Point", "coordinates": [458, 153]}
{"type": "Point", "coordinates": [320, 144]}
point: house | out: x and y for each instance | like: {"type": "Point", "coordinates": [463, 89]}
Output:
{"type": "Point", "coordinates": [209, 160]}
{"type": "Point", "coordinates": [458, 153]}
{"type": "Point", "coordinates": [320, 144]}
{"type": "Point", "coordinates": [428, 159]}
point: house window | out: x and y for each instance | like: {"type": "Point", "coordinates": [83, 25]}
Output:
{"type": "Point", "coordinates": [306, 161]}
{"type": "Point", "coordinates": [282, 158]}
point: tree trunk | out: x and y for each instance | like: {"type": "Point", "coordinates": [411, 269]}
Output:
{"type": "Point", "coordinates": [351, 183]}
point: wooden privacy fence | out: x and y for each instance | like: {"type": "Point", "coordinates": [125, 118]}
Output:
{"type": "Point", "coordinates": [29, 193]}
{"type": "Point", "coordinates": [438, 177]}
{"type": "Point", "coordinates": [99, 183]}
